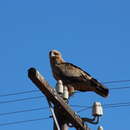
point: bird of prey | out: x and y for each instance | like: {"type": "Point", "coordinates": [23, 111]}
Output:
{"type": "Point", "coordinates": [74, 77]}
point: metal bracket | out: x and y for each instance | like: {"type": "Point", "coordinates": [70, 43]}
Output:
{"type": "Point", "coordinates": [95, 120]}
{"type": "Point", "coordinates": [53, 115]}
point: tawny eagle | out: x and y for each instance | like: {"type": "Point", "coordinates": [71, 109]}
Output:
{"type": "Point", "coordinates": [74, 77]}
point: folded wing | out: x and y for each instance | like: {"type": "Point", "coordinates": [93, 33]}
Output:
{"type": "Point", "coordinates": [72, 75]}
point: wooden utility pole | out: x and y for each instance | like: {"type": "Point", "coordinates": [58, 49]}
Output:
{"type": "Point", "coordinates": [64, 113]}
{"type": "Point", "coordinates": [61, 120]}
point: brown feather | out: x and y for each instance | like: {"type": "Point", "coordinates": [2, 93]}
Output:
{"type": "Point", "coordinates": [73, 76]}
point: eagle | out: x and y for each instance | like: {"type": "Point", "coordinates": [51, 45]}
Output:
{"type": "Point", "coordinates": [73, 77]}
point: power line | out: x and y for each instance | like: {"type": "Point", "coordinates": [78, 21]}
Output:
{"type": "Point", "coordinates": [114, 106]}
{"type": "Point", "coordinates": [116, 81]}
{"type": "Point", "coordinates": [117, 104]}
{"type": "Point", "coordinates": [37, 97]}
{"type": "Point", "coordinates": [118, 88]}
{"type": "Point", "coordinates": [104, 105]}
{"type": "Point", "coordinates": [32, 91]}
{"type": "Point", "coordinates": [121, 104]}
{"type": "Point", "coordinates": [23, 99]}
{"type": "Point", "coordinates": [18, 93]}
{"type": "Point", "coordinates": [23, 121]}
{"type": "Point", "coordinates": [22, 111]}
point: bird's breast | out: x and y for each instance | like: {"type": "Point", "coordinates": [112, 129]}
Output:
{"type": "Point", "coordinates": [56, 73]}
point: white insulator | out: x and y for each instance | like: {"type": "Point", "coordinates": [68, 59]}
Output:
{"type": "Point", "coordinates": [65, 93]}
{"type": "Point", "coordinates": [100, 128]}
{"type": "Point", "coordinates": [97, 109]}
{"type": "Point", "coordinates": [59, 87]}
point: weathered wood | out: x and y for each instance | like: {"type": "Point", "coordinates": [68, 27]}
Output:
{"type": "Point", "coordinates": [64, 109]}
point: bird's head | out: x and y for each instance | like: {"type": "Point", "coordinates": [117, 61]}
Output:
{"type": "Point", "coordinates": [55, 57]}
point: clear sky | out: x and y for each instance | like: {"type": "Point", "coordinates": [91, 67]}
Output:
{"type": "Point", "coordinates": [94, 35]}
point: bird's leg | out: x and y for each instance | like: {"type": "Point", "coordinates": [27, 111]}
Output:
{"type": "Point", "coordinates": [71, 90]}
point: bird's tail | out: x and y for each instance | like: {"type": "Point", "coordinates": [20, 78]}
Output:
{"type": "Point", "coordinates": [100, 89]}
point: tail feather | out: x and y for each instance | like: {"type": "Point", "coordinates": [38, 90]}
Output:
{"type": "Point", "coordinates": [102, 91]}
{"type": "Point", "coordinates": [99, 88]}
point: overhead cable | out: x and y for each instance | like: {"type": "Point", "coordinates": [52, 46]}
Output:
{"type": "Point", "coordinates": [23, 121]}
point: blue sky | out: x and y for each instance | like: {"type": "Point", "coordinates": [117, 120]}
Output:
{"type": "Point", "coordinates": [94, 35]}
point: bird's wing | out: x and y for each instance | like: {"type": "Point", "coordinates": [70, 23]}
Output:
{"type": "Point", "coordinates": [69, 70]}
{"type": "Point", "coordinates": [83, 81]}
{"type": "Point", "coordinates": [75, 73]}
